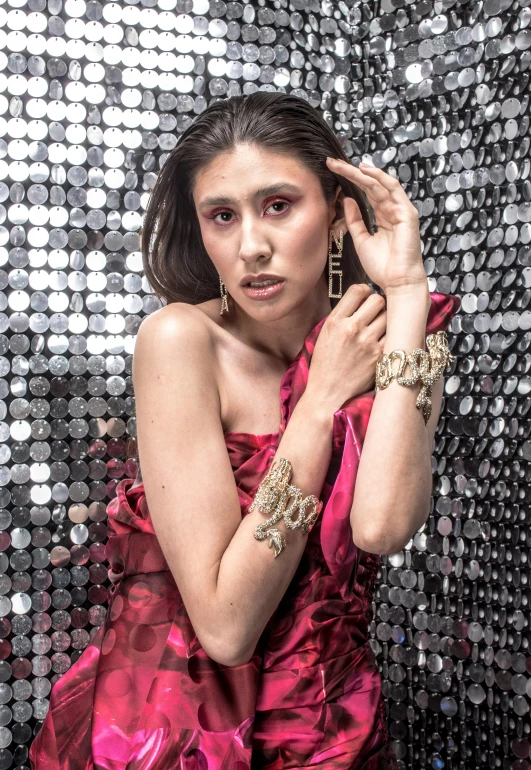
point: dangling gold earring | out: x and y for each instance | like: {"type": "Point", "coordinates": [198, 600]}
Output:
{"type": "Point", "coordinates": [334, 263]}
{"type": "Point", "coordinates": [224, 295]}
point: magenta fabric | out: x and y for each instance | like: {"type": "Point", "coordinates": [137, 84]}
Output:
{"type": "Point", "coordinates": [145, 696]}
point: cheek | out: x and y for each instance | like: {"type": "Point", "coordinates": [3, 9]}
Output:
{"type": "Point", "coordinates": [310, 237]}
{"type": "Point", "coordinates": [213, 245]}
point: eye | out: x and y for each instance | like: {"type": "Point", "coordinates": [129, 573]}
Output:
{"type": "Point", "coordinates": [222, 213]}
{"type": "Point", "coordinates": [278, 203]}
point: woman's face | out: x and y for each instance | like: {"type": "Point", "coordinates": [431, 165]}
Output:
{"type": "Point", "coordinates": [264, 212]}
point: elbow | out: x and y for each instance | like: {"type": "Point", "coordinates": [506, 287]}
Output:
{"type": "Point", "coordinates": [225, 653]}
{"type": "Point", "coordinates": [381, 543]}
{"type": "Point", "coordinates": [389, 537]}
{"type": "Point", "coordinates": [229, 658]}
{"type": "Point", "coordinates": [229, 644]}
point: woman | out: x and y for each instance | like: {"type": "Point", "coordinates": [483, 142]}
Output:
{"type": "Point", "coordinates": [219, 652]}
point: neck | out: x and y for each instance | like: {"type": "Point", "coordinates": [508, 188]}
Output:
{"type": "Point", "coordinates": [281, 337]}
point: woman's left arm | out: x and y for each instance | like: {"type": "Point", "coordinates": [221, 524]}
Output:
{"type": "Point", "coordinates": [394, 481]}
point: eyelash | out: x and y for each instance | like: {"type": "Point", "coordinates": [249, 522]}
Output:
{"type": "Point", "coordinates": [273, 203]}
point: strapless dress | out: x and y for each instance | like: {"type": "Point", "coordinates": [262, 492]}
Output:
{"type": "Point", "coordinates": [144, 695]}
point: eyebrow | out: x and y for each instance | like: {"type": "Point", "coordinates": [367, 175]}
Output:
{"type": "Point", "coordinates": [272, 189]}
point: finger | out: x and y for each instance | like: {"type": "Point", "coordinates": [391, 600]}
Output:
{"type": "Point", "coordinates": [371, 186]}
{"type": "Point", "coordinates": [355, 223]}
{"type": "Point", "coordinates": [351, 300]}
{"type": "Point", "coordinates": [379, 324]}
{"type": "Point", "coordinates": [397, 194]}
{"type": "Point", "coordinates": [370, 310]}
{"type": "Point", "coordinates": [391, 183]}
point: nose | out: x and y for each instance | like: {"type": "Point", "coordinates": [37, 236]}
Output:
{"type": "Point", "coordinates": [254, 244]}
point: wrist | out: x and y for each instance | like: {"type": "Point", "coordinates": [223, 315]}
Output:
{"type": "Point", "coordinates": [407, 317]}
{"type": "Point", "coordinates": [314, 408]}
{"type": "Point", "coordinates": [413, 300]}
{"type": "Point", "coordinates": [415, 288]}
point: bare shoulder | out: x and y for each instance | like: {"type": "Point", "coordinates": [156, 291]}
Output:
{"type": "Point", "coordinates": [178, 333]}
{"type": "Point", "coordinates": [175, 382]}
{"type": "Point", "coordinates": [174, 317]}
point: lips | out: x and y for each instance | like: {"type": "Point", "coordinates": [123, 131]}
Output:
{"type": "Point", "coordinates": [262, 284]}
{"type": "Point", "coordinates": [264, 292]}
{"type": "Point", "coordinates": [247, 279]}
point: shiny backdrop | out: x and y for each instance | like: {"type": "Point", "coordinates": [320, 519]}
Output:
{"type": "Point", "coordinates": [93, 95]}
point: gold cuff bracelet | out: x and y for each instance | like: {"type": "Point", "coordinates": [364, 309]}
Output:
{"type": "Point", "coordinates": [272, 497]}
{"type": "Point", "coordinates": [432, 364]}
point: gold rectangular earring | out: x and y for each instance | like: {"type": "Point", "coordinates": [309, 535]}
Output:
{"type": "Point", "coordinates": [224, 295]}
{"type": "Point", "coordinates": [334, 263]}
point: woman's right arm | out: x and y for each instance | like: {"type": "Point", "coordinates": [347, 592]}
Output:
{"type": "Point", "coordinates": [230, 582]}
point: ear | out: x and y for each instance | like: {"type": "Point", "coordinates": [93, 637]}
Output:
{"type": "Point", "coordinates": [336, 219]}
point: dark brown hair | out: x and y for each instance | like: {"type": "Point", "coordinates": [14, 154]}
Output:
{"type": "Point", "coordinates": [176, 263]}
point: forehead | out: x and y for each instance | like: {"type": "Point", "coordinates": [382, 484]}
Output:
{"type": "Point", "coordinates": [249, 167]}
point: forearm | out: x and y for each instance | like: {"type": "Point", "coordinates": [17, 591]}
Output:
{"type": "Point", "coordinates": [251, 581]}
{"type": "Point", "coordinates": [394, 481]}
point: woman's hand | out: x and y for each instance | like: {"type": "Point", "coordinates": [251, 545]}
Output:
{"type": "Point", "coordinates": [344, 359]}
{"type": "Point", "coordinates": [392, 257]}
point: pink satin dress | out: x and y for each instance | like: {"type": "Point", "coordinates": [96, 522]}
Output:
{"type": "Point", "coordinates": [145, 696]}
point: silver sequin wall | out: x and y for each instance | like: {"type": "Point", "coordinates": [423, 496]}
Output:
{"type": "Point", "coordinates": [93, 95]}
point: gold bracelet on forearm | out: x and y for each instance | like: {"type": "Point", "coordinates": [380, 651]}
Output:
{"type": "Point", "coordinates": [432, 365]}
{"type": "Point", "coordinates": [271, 498]}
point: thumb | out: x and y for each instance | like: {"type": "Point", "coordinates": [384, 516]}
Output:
{"type": "Point", "coordinates": [353, 219]}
